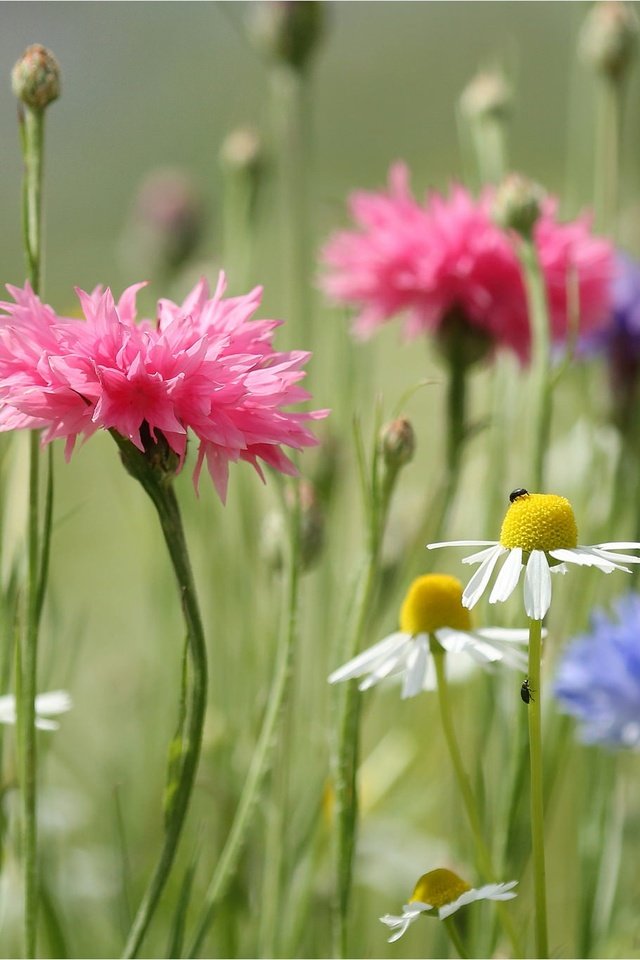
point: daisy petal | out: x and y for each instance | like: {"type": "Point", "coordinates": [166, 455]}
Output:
{"type": "Point", "coordinates": [507, 579]}
{"type": "Point", "coordinates": [369, 659]}
{"type": "Point", "coordinates": [462, 543]}
{"type": "Point", "coordinates": [617, 546]}
{"type": "Point", "coordinates": [479, 557]}
{"type": "Point", "coordinates": [537, 585]}
{"type": "Point", "coordinates": [416, 673]}
{"type": "Point", "coordinates": [477, 585]}
{"type": "Point", "coordinates": [584, 557]}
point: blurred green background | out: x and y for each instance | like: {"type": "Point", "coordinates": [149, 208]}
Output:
{"type": "Point", "coordinates": [149, 85]}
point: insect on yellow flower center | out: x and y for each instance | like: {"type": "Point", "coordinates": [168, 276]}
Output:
{"type": "Point", "coordinates": [539, 521]}
{"type": "Point", "coordinates": [439, 887]}
{"type": "Point", "coordinates": [433, 601]}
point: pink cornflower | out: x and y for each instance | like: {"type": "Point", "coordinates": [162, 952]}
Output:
{"type": "Point", "coordinates": [204, 366]}
{"type": "Point", "coordinates": [428, 260]}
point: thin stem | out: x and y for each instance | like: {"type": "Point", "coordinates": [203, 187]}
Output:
{"type": "Point", "coordinates": [161, 491]}
{"type": "Point", "coordinates": [483, 856]}
{"type": "Point", "coordinates": [537, 797]}
{"type": "Point", "coordinates": [348, 746]}
{"type": "Point", "coordinates": [260, 762]}
{"type": "Point", "coordinates": [32, 136]}
{"type": "Point", "coordinates": [489, 137]}
{"type": "Point", "coordinates": [540, 402]}
{"type": "Point", "coordinates": [454, 936]}
{"type": "Point", "coordinates": [292, 102]}
{"type": "Point", "coordinates": [607, 165]}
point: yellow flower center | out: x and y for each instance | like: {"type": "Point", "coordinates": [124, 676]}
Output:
{"type": "Point", "coordinates": [439, 887]}
{"type": "Point", "coordinates": [433, 601]}
{"type": "Point", "coordinates": [539, 521]}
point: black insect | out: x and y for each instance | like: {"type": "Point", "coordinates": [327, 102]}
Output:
{"type": "Point", "coordinates": [516, 494]}
{"type": "Point", "coordinates": [525, 691]}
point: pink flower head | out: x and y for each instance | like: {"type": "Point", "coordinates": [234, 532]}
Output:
{"type": "Point", "coordinates": [204, 366]}
{"type": "Point", "coordinates": [426, 260]}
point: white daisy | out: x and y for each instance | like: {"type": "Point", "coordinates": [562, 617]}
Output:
{"type": "Point", "coordinates": [47, 705]}
{"type": "Point", "coordinates": [440, 893]}
{"type": "Point", "coordinates": [539, 534]}
{"type": "Point", "coordinates": [433, 608]}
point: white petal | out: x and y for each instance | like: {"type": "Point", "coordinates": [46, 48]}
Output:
{"type": "Point", "coordinates": [477, 585]}
{"type": "Point", "coordinates": [497, 891]}
{"type": "Point", "coordinates": [507, 579]}
{"type": "Point", "coordinates": [504, 634]}
{"type": "Point", "coordinates": [583, 557]}
{"type": "Point", "coordinates": [479, 557]}
{"type": "Point", "coordinates": [467, 897]}
{"type": "Point", "coordinates": [617, 546]}
{"type": "Point", "coordinates": [393, 665]}
{"type": "Point", "coordinates": [537, 585]}
{"type": "Point", "coordinates": [43, 724]}
{"type": "Point", "coordinates": [453, 641]}
{"type": "Point", "coordinates": [369, 658]}
{"type": "Point", "coordinates": [461, 543]}
{"type": "Point", "coordinates": [53, 702]}
{"type": "Point", "coordinates": [416, 671]}
{"type": "Point", "coordinates": [616, 557]}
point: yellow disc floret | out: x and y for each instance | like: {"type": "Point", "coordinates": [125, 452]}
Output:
{"type": "Point", "coordinates": [433, 601]}
{"type": "Point", "coordinates": [539, 521]}
{"type": "Point", "coordinates": [439, 887]}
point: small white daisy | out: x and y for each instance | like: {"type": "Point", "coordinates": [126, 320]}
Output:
{"type": "Point", "coordinates": [539, 534]}
{"type": "Point", "coordinates": [440, 893]}
{"type": "Point", "coordinates": [47, 705]}
{"type": "Point", "coordinates": [433, 608]}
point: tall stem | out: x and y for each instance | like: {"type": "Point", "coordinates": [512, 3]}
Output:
{"type": "Point", "coordinates": [161, 491]}
{"type": "Point", "coordinates": [483, 856]}
{"type": "Point", "coordinates": [537, 796]}
{"type": "Point", "coordinates": [454, 936]}
{"type": "Point", "coordinates": [32, 137]}
{"type": "Point", "coordinates": [608, 133]}
{"type": "Point", "coordinates": [540, 402]}
{"type": "Point", "coordinates": [260, 761]}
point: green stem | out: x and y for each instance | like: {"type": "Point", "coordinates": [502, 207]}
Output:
{"type": "Point", "coordinates": [607, 165]}
{"type": "Point", "coordinates": [483, 856]}
{"type": "Point", "coordinates": [292, 102]}
{"type": "Point", "coordinates": [161, 492]}
{"type": "Point", "coordinates": [348, 745]}
{"type": "Point", "coordinates": [540, 402]}
{"type": "Point", "coordinates": [490, 146]}
{"type": "Point", "coordinates": [261, 759]}
{"type": "Point", "coordinates": [537, 797]}
{"type": "Point", "coordinates": [454, 936]}
{"type": "Point", "coordinates": [32, 139]}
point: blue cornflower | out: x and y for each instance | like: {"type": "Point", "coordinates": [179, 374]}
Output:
{"type": "Point", "coordinates": [619, 340]}
{"type": "Point", "coordinates": [598, 680]}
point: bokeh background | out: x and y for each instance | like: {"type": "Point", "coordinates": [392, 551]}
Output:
{"type": "Point", "coordinates": [148, 85]}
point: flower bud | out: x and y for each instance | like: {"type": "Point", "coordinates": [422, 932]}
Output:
{"type": "Point", "coordinates": [609, 37]}
{"type": "Point", "coordinates": [287, 31]}
{"type": "Point", "coordinates": [274, 530]}
{"type": "Point", "coordinates": [487, 95]}
{"type": "Point", "coordinates": [242, 150]}
{"type": "Point", "coordinates": [517, 204]}
{"type": "Point", "coordinates": [35, 78]}
{"type": "Point", "coordinates": [398, 443]}
{"type": "Point", "coordinates": [165, 224]}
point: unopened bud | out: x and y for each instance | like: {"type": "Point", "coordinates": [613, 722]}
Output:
{"type": "Point", "coordinates": [311, 531]}
{"type": "Point", "coordinates": [35, 78]}
{"type": "Point", "coordinates": [517, 205]}
{"type": "Point", "coordinates": [242, 150]}
{"type": "Point", "coordinates": [609, 37]}
{"type": "Point", "coordinates": [165, 224]}
{"type": "Point", "coordinates": [398, 443]}
{"type": "Point", "coordinates": [487, 95]}
{"type": "Point", "coordinates": [288, 31]}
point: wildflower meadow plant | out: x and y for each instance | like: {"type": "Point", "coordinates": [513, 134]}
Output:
{"type": "Point", "coordinates": [597, 680]}
{"type": "Point", "coordinates": [291, 813]}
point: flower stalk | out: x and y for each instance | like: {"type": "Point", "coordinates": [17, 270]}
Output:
{"type": "Point", "coordinates": [483, 855]}
{"type": "Point", "coordinates": [263, 753]}
{"type": "Point", "coordinates": [153, 473]}
{"type": "Point", "coordinates": [31, 120]}
{"type": "Point", "coordinates": [537, 796]}
{"type": "Point", "coordinates": [540, 358]}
